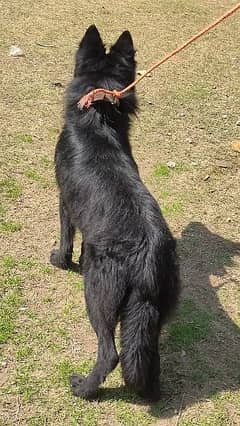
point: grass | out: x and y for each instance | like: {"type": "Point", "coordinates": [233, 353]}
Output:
{"type": "Point", "coordinates": [3, 211]}
{"type": "Point", "coordinates": [66, 368]}
{"type": "Point", "coordinates": [130, 417]}
{"type": "Point", "coordinates": [23, 353]}
{"type": "Point", "coordinates": [10, 188]}
{"type": "Point", "coordinates": [10, 227]}
{"type": "Point", "coordinates": [46, 162]}
{"type": "Point", "coordinates": [75, 280]}
{"type": "Point", "coordinates": [193, 93]}
{"type": "Point", "coordinates": [192, 326]}
{"type": "Point", "coordinates": [34, 176]}
{"type": "Point", "coordinates": [11, 298]}
{"type": "Point", "coordinates": [9, 305]}
{"type": "Point", "coordinates": [162, 171]}
{"type": "Point", "coordinates": [172, 209]}
{"type": "Point", "coordinates": [24, 138]}
{"type": "Point", "coordinates": [188, 115]}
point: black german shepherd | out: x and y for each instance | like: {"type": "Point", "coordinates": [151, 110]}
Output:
{"type": "Point", "coordinates": [128, 258]}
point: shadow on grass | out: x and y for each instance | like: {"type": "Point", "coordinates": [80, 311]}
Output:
{"type": "Point", "coordinates": [210, 364]}
{"type": "Point", "coordinates": [200, 364]}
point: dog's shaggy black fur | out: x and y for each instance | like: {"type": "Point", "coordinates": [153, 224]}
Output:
{"type": "Point", "coordinates": [128, 259]}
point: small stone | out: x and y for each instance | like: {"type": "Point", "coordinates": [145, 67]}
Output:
{"type": "Point", "coordinates": [229, 220]}
{"type": "Point", "coordinates": [169, 134]}
{"type": "Point", "coordinates": [207, 177]}
{"type": "Point", "coordinates": [194, 163]}
{"type": "Point", "coordinates": [189, 140]}
{"type": "Point", "coordinates": [16, 51]}
{"type": "Point", "coordinates": [224, 116]}
{"type": "Point", "coordinates": [4, 364]}
{"type": "Point", "coordinates": [224, 164]}
{"type": "Point", "coordinates": [238, 123]}
{"type": "Point", "coordinates": [235, 145]}
{"type": "Point", "coordinates": [183, 353]}
{"type": "Point", "coordinates": [171, 164]}
{"type": "Point", "coordinates": [182, 114]}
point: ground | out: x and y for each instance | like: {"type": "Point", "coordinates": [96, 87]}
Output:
{"type": "Point", "coordinates": [189, 115]}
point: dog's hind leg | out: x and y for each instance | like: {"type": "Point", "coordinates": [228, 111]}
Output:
{"type": "Point", "coordinates": [103, 307]}
{"type": "Point", "coordinates": [62, 258]}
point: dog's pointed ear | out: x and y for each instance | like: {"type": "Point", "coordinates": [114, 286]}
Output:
{"type": "Point", "coordinates": [124, 45]}
{"type": "Point", "coordinates": [92, 41]}
{"type": "Point", "coordinates": [90, 47]}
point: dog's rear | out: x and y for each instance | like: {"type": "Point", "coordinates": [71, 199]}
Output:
{"type": "Point", "coordinates": [128, 258]}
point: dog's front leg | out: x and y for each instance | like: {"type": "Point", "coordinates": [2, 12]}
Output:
{"type": "Point", "coordinates": [62, 258]}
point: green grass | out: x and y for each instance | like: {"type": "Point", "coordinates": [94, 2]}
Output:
{"type": "Point", "coordinates": [10, 188]}
{"type": "Point", "coordinates": [9, 305]}
{"type": "Point", "coordinates": [10, 227]}
{"type": "Point", "coordinates": [23, 352]}
{"type": "Point", "coordinates": [193, 92]}
{"type": "Point", "coordinates": [193, 325]}
{"type": "Point", "coordinates": [24, 138]}
{"type": "Point", "coordinates": [46, 162]}
{"type": "Point", "coordinates": [75, 280]}
{"type": "Point", "coordinates": [33, 175]}
{"type": "Point", "coordinates": [9, 283]}
{"type": "Point", "coordinates": [161, 170]}
{"type": "Point", "coordinates": [33, 264]}
{"type": "Point", "coordinates": [172, 209]}
{"type": "Point", "coordinates": [218, 418]}
{"type": "Point", "coordinates": [26, 386]}
{"type": "Point", "coordinates": [65, 368]}
{"type": "Point", "coordinates": [164, 171]}
{"type": "Point", "coordinates": [87, 417]}
{"type": "Point", "coordinates": [37, 421]}
{"type": "Point", "coordinates": [10, 298]}
{"type": "Point", "coordinates": [130, 417]}
{"type": "Point", "coordinates": [62, 332]}
{"type": "Point", "coordinates": [8, 262]}
{"type": "Point", "coordinates": [3, 211]}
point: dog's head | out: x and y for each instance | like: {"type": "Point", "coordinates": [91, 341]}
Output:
{"type": "Point", "coordinates": [95, 68]}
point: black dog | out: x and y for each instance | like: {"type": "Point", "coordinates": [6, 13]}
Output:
{"type": "Point", "coordinates": [128, 260]}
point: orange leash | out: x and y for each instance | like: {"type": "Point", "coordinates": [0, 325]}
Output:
{"type": "Point", "coordinates": [113, 96]}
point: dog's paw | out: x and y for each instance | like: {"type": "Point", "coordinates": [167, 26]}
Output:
{"type": "Point", "coordinates": [58, 260]}
{"type": "Point", "coordinates": [75, 382]}
{"type": "Point", "coordinates": [79, 387]}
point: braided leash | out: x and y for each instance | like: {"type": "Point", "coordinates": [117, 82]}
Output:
{"type": "Point", "coordinates": [113, 96]}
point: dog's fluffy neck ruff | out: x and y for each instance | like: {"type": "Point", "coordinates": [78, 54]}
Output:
{"type": "Point", "coordinates": [101, 121]}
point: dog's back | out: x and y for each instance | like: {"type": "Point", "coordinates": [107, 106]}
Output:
{"type": "Point", "coordinates": [128, 261]}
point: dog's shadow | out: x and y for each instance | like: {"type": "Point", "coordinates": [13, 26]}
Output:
{"type": "Point", "coordinates": [196, 370]}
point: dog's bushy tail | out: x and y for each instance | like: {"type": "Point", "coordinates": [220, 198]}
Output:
{"type": "Point", "coordinates": [139, 355]}
{"type": "Point", "coordinates": [153, 297]}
